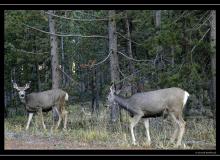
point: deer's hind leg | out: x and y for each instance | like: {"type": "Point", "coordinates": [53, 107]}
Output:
{"type": "Point", "coordinates": [63, 111]}
{"type": "Point", "coordinates": [179, 130]}
{"type": "Point", "coordinates": [146, 124]}
{"type": "Point", "coordinates": [182, 125]}
{"type": "Point", "coordinates": [174, 135]}
{"type": "Point", "coordinates": [59, 117]}
{"type": "Point", "coordinates": [64, 117]}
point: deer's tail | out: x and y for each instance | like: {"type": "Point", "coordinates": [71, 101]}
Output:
{"type": "Point", "coordinates": [186, 95]}
{"type": "Point", "coordinates": [66, 97]}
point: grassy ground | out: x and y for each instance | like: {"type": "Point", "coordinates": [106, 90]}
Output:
{"type": "Point", "coordinates": [89, 132]}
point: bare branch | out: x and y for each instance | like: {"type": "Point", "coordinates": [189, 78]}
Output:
{"type": "Point", "coordinates": [29, 52]}
{"type": "Point", "coordinates": [180, 16]}
{"type": "Point", "coordinates": [102, 60]}
{"type": "Point", "coordinates": [199, 25]}
{"type": "Point", "coordinates": [65, 35]}
{"type": "Point", "coordinates": [128, 39]}
{"type": "Point", "coordinates": [66, 74]}
{"type": "Point", "coordinates": [121, 72]}
{"type": "Point", "coordinates": [75, 19]}
{"type": "Point", "coordinates": [133, 58]}
{"type": "Point", "coordinates": [88, 14]}
{"type": "Point", "coordinates": [200, 40]}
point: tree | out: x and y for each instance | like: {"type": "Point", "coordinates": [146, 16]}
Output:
{"type": "Point", "coordinates": [54, 53]}
{"type": "Point", "coordinates": [213, 54]}
{"type": "Point", "coordinates": [114, 65]}
{"type": "Point", "coordinates": [129, 48]}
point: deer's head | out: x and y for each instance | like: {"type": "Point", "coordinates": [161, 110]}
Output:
{"type": "Point", "coordinates": [21, 90]}
{"type": "Point", "coordinates": [111, 95]}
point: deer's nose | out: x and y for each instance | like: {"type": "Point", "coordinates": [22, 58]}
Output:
{"type": "Point", "coordinates": [22, 95]}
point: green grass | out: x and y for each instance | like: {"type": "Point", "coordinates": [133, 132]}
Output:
{"type": "Point", "coordinates": [92, 130]}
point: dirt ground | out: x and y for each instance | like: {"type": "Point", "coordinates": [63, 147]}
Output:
{"type": "Point", "coordinates": [24, 141]}
{"type": "Point", "coordinates": [29, 142]}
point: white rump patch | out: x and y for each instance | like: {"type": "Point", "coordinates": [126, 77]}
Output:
{"type": "Point", "coordinates": [186, 95]}
{"type": "Point", "coordinates": [66, 97]}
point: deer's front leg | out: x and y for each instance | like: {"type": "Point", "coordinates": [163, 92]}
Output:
{"type": "Point", "coordinates": [30, 115]}
{"type": "Point", "coordinates": [133, 122]}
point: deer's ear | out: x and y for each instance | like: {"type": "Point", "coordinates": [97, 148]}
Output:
{"type": "Point", "coordinates": [112, 90]}
{"type": "Point", "coordinates": [114, 86]}
{"type": "Point", "coordinates": [15, 85]}
{"type": "Point", "coordinates": [118, 91]}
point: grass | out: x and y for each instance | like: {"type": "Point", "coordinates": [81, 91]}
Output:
{"type": "Point", "coordinates": [89, 131]}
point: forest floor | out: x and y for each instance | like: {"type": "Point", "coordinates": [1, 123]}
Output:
{"type": "Point", "coordinates": [86, 132]}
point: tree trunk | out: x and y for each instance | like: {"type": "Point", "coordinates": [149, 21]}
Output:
{"type": "Point", "coordinates": [158, 25]}
{"type": "Point", "coordinates": [62, 52]}
{"type": "Point", "coordinates": [158, 19]}
{"type": "Point", "coordinates": [97, 88]}
{"type": "Point", "coordinates": [213, 55]}
{"type": "Point", "coordinates": [93, 88]}
{"type": "Point", "coordinates": [173, 55]}
{"type": "Point", "coordinates": [129, 50]}
{"type": "Point", "coordinates": [114, 65]}
{"type": "Point", "coordinates": [5, 104]}
{"type": "Point", "coordinates": [54, 53]}
{"type": "Point", "coordinates": [38, 77]}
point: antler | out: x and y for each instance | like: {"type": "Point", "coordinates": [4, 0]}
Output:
{"type": "Point", "coordinates": [27, 85]}
{"type": "Point", "coordinates": [14, 85]}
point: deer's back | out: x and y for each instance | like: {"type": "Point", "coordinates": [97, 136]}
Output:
{"type": "Point", "coordinates": [156, 101]}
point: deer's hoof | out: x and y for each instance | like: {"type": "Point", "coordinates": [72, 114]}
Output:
{"type": "Point", "coordinates": [148, 144]}
{"type": "Point", "coordinates": [134, 144]}
{"type": "Point", "coordinates": [178, 146]}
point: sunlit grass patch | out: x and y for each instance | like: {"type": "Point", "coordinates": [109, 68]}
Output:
{"type": "Point", "coordinates": [87, 130]}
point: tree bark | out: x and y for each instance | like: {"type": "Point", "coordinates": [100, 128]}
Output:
{"type": "Point", "coordinates": [158, 26]}
{"type": "Point", "coordinates": [158, 19]}
{"type": "Point", "coordinates": [129, 50]}
{"type": "Point", "coordinates": [5, 104]}
{"type": "Point", "coordinates": [62, 52]}
{"type": "Point", "coordinates": [54, 53]}
{"type": "Point", "coordinates": [173, 55]}
{"type": "Point", "coordinates": [213, 55]}
{"type": "Point", "coordinates": [97, 88]}
{"type": "Point", "coordinates": [114, 65]}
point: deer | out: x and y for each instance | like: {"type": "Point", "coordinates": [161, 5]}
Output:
{"type": "Point", "coordinates": [39, 102]}
{"type": "Point", "coordinates": [157, 103]}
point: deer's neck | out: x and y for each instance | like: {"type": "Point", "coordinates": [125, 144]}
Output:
{"type": "Point", "coordinates": [121, 101]}
{"type": "Point", "coordinates": [23, 100]}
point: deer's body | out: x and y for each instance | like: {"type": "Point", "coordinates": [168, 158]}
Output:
{"type": "Point", "coordinates": [45, 100]}
{"type": "Point", "coordinates": [154, 104]}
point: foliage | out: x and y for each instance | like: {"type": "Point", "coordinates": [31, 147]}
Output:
{"type": "Point", "coordinates": [169, 48]}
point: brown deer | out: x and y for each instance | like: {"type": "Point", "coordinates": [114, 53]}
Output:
{"type": "Point", "coordinates": [169, 101]}
{"type": "Point", "coordinates": [43, 102]}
